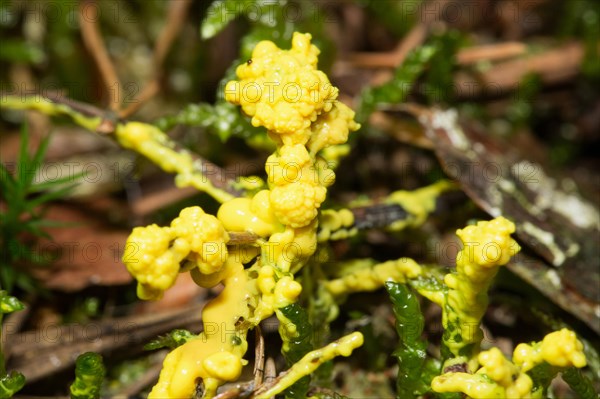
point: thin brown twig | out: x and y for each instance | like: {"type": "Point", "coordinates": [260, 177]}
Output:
{"type": "Point", "coordinates": [92, 37]}
{"type": "Point", "coordinates": [466, 56]}
{"type": "Point", "coordinates": [269, 383]}
{"type": "Point", "coordinates": [242, 390]}
{"type": "Point", "coordinates": [490, 52]}
{"type": "Point", "coordinates": [393, 58]}
{"type": "Point", "coordinates": [40, 358]}
{"type": "Point", "coordinates": [175, 21]}
{"type": "Point", "coordinates": [85, 109]}
{"type": "Point", "coordinates": [553, 66]}
{"type": "Point", "coordinates": [251, 390]}
{"type": "Point", "coordinates": [150, 90]}
{"type": "Point", "coordinates": [270, 369]}
{"type": "Point", "coordinates": [432, 12]}
{"type": "Point", "coordinates": [151, 202]}
{"type": "Point", "coordinates": [259, 357]}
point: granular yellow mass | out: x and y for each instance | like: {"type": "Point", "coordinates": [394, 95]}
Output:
{"type": "Point", "coordinates": [283, 90]}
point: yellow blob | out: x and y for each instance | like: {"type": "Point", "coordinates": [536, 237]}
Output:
{"type": "Point", "coordinates": [563, 349]}
{"type": "Point", "coordinates": [153, 255]}
{"type": "Point", "coordinates": [474, 385]}
{"type": "Point", "coordinates": [286, 291]}
{"type": "Point", "coordinates": [297, 205]}
{"type": "Point", "coordinates": [371, 278]}
{"type": "Point", "coordinates": [223, 366]}
{"type": "Point", "coordinates": [335, 224]}
{"type": "Point", "coordinates": [418, 203]}
{"type": "Point", "coordinates": [333, 127]}
{"type": "Point", "coordinates": [254, 215]}
{"type": "Point", "coordinates": [560, 348]}
{"type": "Point", "coordinates": [216, 355]}
{"type": "Point", "coordinates": [486, 247]}
{"type": "Point", "coordinates": [283, 90]}
{"type": "Point", "coordinates": [497, 378]}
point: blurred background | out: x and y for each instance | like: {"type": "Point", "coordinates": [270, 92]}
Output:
{"type": "Point", "coordinates": [524, 74]}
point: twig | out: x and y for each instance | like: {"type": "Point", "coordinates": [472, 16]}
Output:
{"type": "Point", "coordinates": [554, 66]}
{"type": "Point", "coordinates": [259, 357]}
{"type": "Point", "coordinates": [39, 354]}
{"type": "Point", "coordinates": [95, 45]}
{"type": "Point", "coordinates": [174, 24]}
{"type": "Point", "coordinates": [270, 369]}
{"type": "Point", "coordinates": [159, 199]}
{"type": "Point", "coordinates": [432, 11]}
{"type": "Point", "coordinates": [392, 59]}
{"type": "Point", "coordinates": [490, 52]}
{"type": "Point", "coordinates": [243, 390]}
{"type": "Point", "coordinates": [270, 372]}
{"type": "Point", "coordinates": [98, 121]}
{"type": "Point", "coordinates": [149, 91]}
{"type": "Point", "coordinates": [466, 56]}
{"type": "Point", "coordinates": [323, 391]}
{"type": "Point", "coordinates": [269, 382]}
{"type": "Point", "coordinates": [83, 108]}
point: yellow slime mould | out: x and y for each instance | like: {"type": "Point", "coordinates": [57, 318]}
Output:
{"type": "Point", "coordinates": [50, 108]}
{"type": "Point", "coordinates": [153, 254]}
{"type": "Point", "coordinates": [312, 360]}
{"type": "Point", "coordinates": [560, 348]}
{"type": "Point", "coordinates": [479, 386]}
{"type": "Point", "coordinates": [254, 215]}
{"type": "Point", "coordinates": [284, 216]}
{"type": "Point", "coordinates": [140, 137]}
{"type": "Point", "coordinates": [283, 90]}
{"type": "Point", "coordinates": [215, 356]}
{"type": "Point", "coordinates": [274, 293]}
{"type": "Point", "coordinates": [486, 247]}
{"type": "Point", "coordinates": [373, 277]}
{"type": "Point", "coordinates": [334, 154]}
{"type": "Point", "coordinates": [336, 225]}
{"type": "Point", "coordinates": [499, 378]}
{"type": "Point", "coordinates": [155, 145]}
{"type": "Point", "coordinates": [333, 128]}
{"type": "Point", "coordinates": [297, 189]}
{"type": "Point", "coordinates": [418, 203]}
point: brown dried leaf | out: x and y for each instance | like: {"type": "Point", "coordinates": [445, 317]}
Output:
{"type": "Point", "coordinates": [88, 251]}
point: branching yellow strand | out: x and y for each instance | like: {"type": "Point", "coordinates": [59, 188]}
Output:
{"type": "Point", "coordinates": [312, 360]}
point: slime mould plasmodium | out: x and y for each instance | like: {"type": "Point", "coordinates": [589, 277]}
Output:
{"type": "Point", "coordinates": [486, 247]}
{"type": "Point", "coordinates": [283, 91]}
{"type": "Point", "coordinates": [497, 377]}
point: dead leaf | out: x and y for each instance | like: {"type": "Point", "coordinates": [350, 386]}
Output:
{"type": "Point", "coordinates": [88, 250]}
